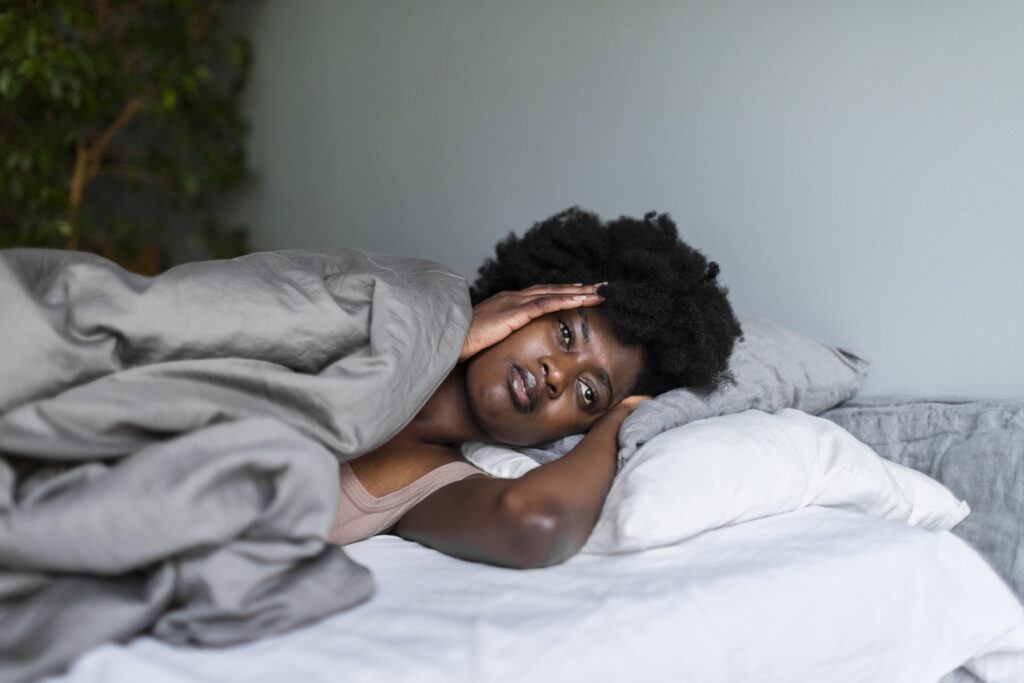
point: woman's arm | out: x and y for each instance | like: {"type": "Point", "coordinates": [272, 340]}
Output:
{"type": "Point", "coordinates": [540, 519]}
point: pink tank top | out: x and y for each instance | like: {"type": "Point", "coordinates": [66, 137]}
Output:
{"type": "Point", "coordinates": [361, 515]}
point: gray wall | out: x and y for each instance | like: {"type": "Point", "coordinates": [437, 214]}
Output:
{"type": "Point", "coordinates": [857, 168]}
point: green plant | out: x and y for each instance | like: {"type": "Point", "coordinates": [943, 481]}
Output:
{"type": "Point", "coordinates": [120, 125]}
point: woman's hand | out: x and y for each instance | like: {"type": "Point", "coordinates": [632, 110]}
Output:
{"type": "Point", "coordinates": [612, 420]}
{"type": "Point", "coordinates": [504, 313]}
{"type": "Point", "coordinates": [631, 402]}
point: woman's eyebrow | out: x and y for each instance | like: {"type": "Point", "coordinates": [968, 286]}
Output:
{"type": "Point", "coordinates": [584, 325]}
{"type": "Point", "coordinates": [602, 374]}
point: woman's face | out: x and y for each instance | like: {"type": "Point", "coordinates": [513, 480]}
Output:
{"type": "Point", "coordinates": [554, 377]}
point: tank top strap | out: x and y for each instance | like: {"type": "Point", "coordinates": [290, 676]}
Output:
{"type": "Point", "coordinates": [361, 515]}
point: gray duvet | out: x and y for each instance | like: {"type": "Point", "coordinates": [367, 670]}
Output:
{"type": "Point", "coordinates": [169, 445]}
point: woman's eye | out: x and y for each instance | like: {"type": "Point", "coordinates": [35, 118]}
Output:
{"type": "Point", "coordinates": [588, 395]}
{"type": "Point", "coordinates": [566, 333]}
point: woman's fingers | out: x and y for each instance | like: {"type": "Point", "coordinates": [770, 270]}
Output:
{"type": "Point", "coordinates": [542, 299]}
{"type": "Point", "coordinates": [504, 313]}
{"type": "Point", "coordinates": [548, 298]}
{"type": "Point", "coordinates": [577, 288]}
{"type": "Point", "coordinates": [550, 302]}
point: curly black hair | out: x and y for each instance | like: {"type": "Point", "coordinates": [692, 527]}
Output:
{"type": "Point", "coordinates": [661, 293]}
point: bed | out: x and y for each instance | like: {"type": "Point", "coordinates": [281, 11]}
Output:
{"type": "Point", "coordinates": [745, 539]}
{"type": "Point", "coordinates": [817, 594]}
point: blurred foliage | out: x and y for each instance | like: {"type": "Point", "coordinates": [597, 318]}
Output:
{"type": "Point", "coordinates": [108, 106]}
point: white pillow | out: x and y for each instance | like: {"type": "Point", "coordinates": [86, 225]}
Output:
{"type": "Point", "coordinates": [734, 468]}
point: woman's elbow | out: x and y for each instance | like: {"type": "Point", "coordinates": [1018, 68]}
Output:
{"type": "Point", "coordinates": [538, 532]}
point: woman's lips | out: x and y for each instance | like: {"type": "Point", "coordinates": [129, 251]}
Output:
{"type": "Point", "coordinates": [523, 386]}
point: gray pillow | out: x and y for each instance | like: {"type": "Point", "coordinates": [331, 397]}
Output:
{"type": "Point", "coordinates": [772, 368]}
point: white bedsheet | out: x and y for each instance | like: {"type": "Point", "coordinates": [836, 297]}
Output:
{"type": "Point", "coordinates": [813, 595]}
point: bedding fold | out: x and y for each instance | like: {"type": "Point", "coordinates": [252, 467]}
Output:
{"type": "Point", "coordinates": [169, 446]}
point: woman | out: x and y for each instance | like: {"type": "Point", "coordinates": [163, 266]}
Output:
{"type": "Point", "coordinates": [542, 361]}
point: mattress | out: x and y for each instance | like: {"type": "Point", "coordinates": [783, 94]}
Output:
{"type": "Point", "coordinates": [813, 595]}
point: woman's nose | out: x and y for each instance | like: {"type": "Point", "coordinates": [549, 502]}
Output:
{"type": "Point", "coordinates": [554, 378]}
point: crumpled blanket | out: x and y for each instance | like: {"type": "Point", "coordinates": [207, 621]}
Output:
{"type": "Point", "coordinates": [169, 445]}
{"type": "Point", "coordinates": [973, 446]}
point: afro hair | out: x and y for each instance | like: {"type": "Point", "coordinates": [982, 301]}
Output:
{"type": "Point", "coordinates": [661, 293]}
